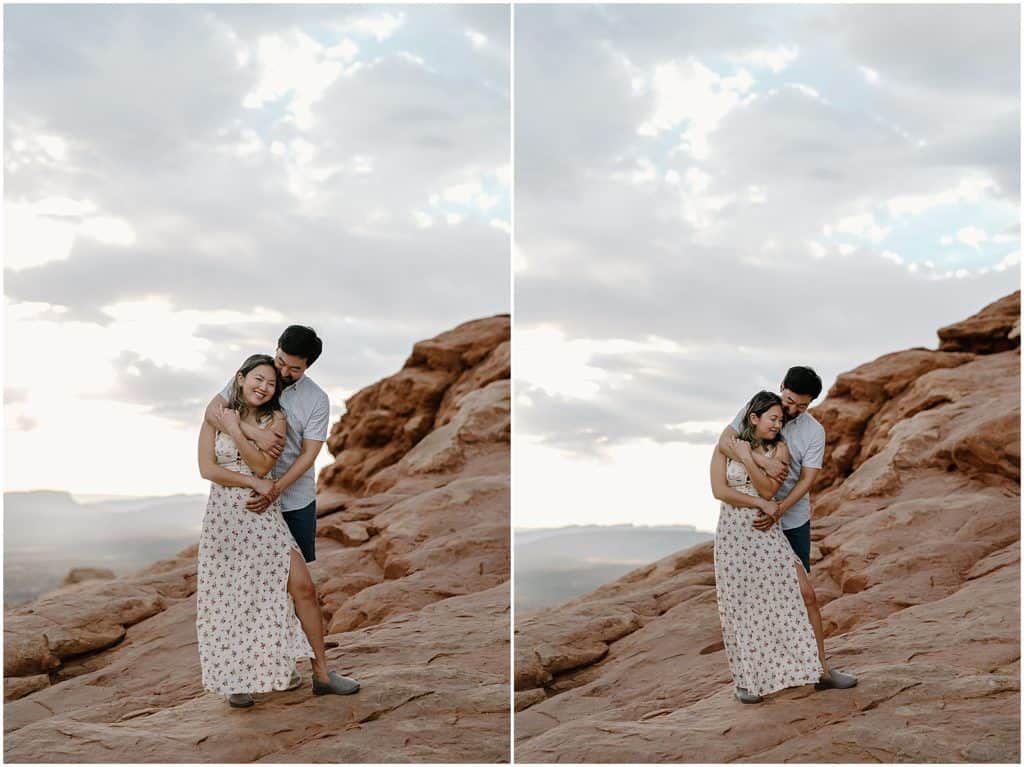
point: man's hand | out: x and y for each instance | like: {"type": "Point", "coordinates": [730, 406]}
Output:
{"type": "Point", "coordinates": [260, 502]}
{"type": "Point", "coordinates": [269, 442]}
{"type": "Point", "coordinates": [229, 421]}
{"type": "Point", "coordinates": [769, 516]}
{"type": "Point", "coordinates": [774, 468]}
{"type": "Point", "coordinates": [742, 449]}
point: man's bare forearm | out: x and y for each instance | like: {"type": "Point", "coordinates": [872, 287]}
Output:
{"type": "Point", "coordinates": [212, 414]}
{"type": "Point", "coordinates": [800, 489]}
{"type": "Point", "coordinates": [301, 466]}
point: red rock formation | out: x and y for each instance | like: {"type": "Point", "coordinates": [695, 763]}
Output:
{"type": "Point", "coordinates": [916, 551]}
{"type": "Point", "coordinates": [412, 569]}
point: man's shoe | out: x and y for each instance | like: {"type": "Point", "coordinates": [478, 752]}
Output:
{"type": "Point", "coordinates": [295, 682]}
{"type": "Point", "coordinates": [836, 680]}
{"type": "Point", "coordinates": [743, 696]}
{"type": "Point", "coordinates": [240, 700]}
{"type": "Point", "coordinates": [338, 685]}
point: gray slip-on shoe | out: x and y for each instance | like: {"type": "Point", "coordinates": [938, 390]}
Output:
{"type": "Point", "coordinates": [338, 685]}
{"type": "Point", "coordinates": [744, 696]}
{"type": "Point", "coordinates": [295, 682]}
{"type": "Point", "coordinates": [836, 680]}
{"type": "Point", "coordinates": [240, 700]}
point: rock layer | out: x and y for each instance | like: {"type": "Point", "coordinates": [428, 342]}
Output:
{"type": "Point", "coordinates": [412, 570]}
{"type": "Point", "coordinates": [916, 563]}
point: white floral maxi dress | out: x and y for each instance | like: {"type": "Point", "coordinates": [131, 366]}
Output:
{"type": "Point", "coordinates": [766, 631]}
{"type": "Point", "coordinates": [249, 634]}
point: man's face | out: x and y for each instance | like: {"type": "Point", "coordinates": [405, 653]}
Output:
{"type": "Point", "coordinates": [794, 404]}
{"type": "Point", "coordinates": [290, 367]}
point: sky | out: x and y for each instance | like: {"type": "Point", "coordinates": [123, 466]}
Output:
{"type": "Point", "coordinates": [707, 195]}
{"type": "Point", "coordinates": [182, 182]}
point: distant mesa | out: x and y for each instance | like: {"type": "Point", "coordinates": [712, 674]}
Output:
{"type": "Point", "coordinates": [82, 574]}
{"type": "Point", "coordinates": [916, 561]}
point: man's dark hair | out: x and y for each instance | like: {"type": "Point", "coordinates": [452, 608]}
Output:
{"type": "Point", "coordinates": [802, 380]}
{"type": "Point", "coordinates": [301, 342]}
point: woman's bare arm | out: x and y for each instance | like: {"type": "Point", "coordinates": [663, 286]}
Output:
{"type": "Point", "coordinates": [208, 467]}
{"type": "Point", "coordinates": [766, 486]}
{"type": "Point", "coordinates": [721, 490]}
{"type": "Point", "coordinates": [255, 458]}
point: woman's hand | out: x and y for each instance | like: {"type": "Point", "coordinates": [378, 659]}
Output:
{"type": "Point", "coordinates": [769, 516]}
{"type": "Point", "coordinates": [229, 419]}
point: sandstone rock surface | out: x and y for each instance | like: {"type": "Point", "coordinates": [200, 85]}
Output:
{"type": "Point", "coordinates": [414, 586]}
{"type": "Point", "coordinates": [916, 564]}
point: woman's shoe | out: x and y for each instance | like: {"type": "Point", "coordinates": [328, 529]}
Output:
{"type": "Point", "coordinates": [295, 682]}
{"type": "Point", "coordinates": [836, 680]}
{"type": "Point", "coordinates": [338, 685]}
{"type": "Point", "coordinates": [240, 700]}
{"type": "Point", "coordinates": [744, 696]}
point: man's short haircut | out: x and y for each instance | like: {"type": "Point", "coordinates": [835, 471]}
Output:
{"type": "Point", "coordinates": [802, 380]}
{"type": "Point", "coordinates": [301, 341]}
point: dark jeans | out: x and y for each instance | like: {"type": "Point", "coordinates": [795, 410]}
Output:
{"type": "Point", "coordinates": [302, 523]}
{"type": "Point", "coordinates": [800, 539]}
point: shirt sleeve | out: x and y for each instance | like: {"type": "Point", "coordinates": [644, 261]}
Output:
{"type": "Point", "coordinates": [319, 420]}
{"type": "Point", "coordinates": [737, 422]}
{"type": "Point", "coordinates": [815, 454]}
{"type": "Point", "coordinates": [226, 391]}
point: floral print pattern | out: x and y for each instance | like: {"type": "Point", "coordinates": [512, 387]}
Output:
{"type": "Point", "coordinates": [766, 631]}
{"type": "Point", "coordinates": [249, 634]}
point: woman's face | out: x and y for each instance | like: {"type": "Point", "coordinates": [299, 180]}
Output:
{"type": "Point", "coordinates": [768, 424]}
{"type": "Point", "coordinates": [259, 385]}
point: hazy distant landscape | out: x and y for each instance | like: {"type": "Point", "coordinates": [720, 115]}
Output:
{"type": "Point", "coordinates": [555, 565]}
{"type": "Point", "coordinates": [47, 533]}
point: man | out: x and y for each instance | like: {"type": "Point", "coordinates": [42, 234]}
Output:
{"type": "Point", "coordinates": [307, 410]}
{"type": "Point", "coordinates": [805, 438]}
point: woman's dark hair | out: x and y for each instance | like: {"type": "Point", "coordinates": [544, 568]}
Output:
{"type": "Point", "coordinates": [802, 380]}
{"type": "Point", "coordinates": [759, 404]}
{"type": "Point", "coordinates": [301, 342]}
{"type": "Point", "coordinates": [238, 403]}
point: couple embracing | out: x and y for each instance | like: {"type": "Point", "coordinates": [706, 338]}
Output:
{"type": "Point", "coordinates": [257, 611]}
{"type": "Point", "coordinates": [762, 470]}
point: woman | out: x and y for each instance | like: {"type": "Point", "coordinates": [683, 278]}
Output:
{"type": "Point", "coordinates": [249, 633]}
{"type": "Point", "coordinates": [770, 622]}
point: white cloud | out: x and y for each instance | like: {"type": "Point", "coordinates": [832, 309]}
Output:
{"type": "Point", "coordinates": [809, 92]}
{"type": "Point", "coordinates": [476, 39]}
{"type": "Point", "coordinates": [972, 236]}
{"type": "Point", "coordinates": [380, 26]}
{"type": "Point", "coordinates": [970, 189]}
{"type": "Point", "coordinates": [296, 66]}
{"type": "Point", "coordinates": [691, 93]}
{"type": "Point", "coordinates": [862, 225]}
{"type": "Point", "coordinates": [776, 59]}
{"type": "Point", "coordinates": [869, 74]}
{"type": "Point", "coordinates": [1011, 260]}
